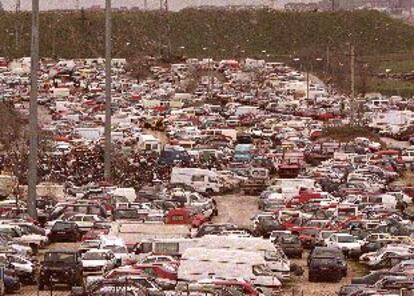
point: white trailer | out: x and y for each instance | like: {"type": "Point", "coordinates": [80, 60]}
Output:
{"type": "Point", "coordinates": [149, 143]}
{"type": "Point", "coordinates": [202, 180]}
{"type": "Point", "coordinates": [275, 259]}
{"type": "Point", "coordinates": [133, 233]}
{"type": "Point", "coordinates": [200, 263]}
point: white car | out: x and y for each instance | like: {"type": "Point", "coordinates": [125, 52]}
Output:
{"type": "Point", "coordinates": [121, 253]}
{"type": "Point", "coordinates": [374, 258]}
{"type": "Point", "coordinates": [85, 222]}
{"type": "Point", "coordinates": [344, 241]}
{"type": "Point", "coordinates": [98, 261]}
{"type": "Point", "coordinates": [17, 235]}
{"type": "Point", "coordinates": [24, 268]}
{"type": "Point", "coordinates": [157, 259]}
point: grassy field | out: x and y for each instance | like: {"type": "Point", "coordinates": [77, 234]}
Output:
{"type": "Point", "coordinates": [379, 40]}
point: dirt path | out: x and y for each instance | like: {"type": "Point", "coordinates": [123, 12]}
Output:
{"type": "Point", "coordinates": [236, 208]}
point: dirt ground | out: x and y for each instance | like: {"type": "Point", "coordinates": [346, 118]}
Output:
{"type": "Point", "coordinates": [238, 209]}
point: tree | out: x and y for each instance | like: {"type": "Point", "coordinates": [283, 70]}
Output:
{"type": "Point", "coordinates": [1, 6]}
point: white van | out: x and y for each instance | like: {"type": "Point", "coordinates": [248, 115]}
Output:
{"type": "Point", "coordinates": [201, 180]}
{"type": "Point", "coordinates": [149, 143]}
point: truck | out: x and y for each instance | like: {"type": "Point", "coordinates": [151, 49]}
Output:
{"type": "Point", "coordinates": [243, 152]}
{"type": "Point", "coordinates": [201, 180]}
{"type": "Point", "coordinates": [256, 182]}
{"type": "Point", "coordinates": [200, 263]}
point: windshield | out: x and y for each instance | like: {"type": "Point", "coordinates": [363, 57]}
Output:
{"type": "Point", "coordinates": [94, 256]}
{"type": "Point", "coordinates": [62, 226]}
{"type": "Point", "coordinates": [126, 214]}
{"type": "Point", "coordinates": [60, 257]}
{"type": "Point", "coordinates": [261, 270]}
{"type": "Point", "coordinates": [117, 249]}
{"type": "Point", "coordinates": [346, 239]}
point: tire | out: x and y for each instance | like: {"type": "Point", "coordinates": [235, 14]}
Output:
{"type": "Point", "coordinates": [311, 277]}
{"type": "Point", "coordinates": [41, 286]}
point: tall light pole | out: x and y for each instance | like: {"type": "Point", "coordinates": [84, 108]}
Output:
{"type": "Point", "coordinates": [352, 84]}
{"type": "Point", "coordinates": [32, 176]}
{"type": "Point", "coordinates": [16, 25]}
{"type": "Point", "coordinates": [108, 99]}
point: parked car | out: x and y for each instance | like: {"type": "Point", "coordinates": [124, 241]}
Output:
{"type": "Point", "coordinates": [326, 263]}
{"type": "Point", "coordinates": [347, 243]}
{"type": "Point", "coordinates": [61, 266]}
{"type": "Point", "coordinates": [65, 231]}
{"type": "Point", "coordinates": [291, 246]}
{"type": "Point", "coordinates": [98, 261]}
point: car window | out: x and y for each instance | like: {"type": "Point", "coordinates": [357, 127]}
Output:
{"type": "Point", "coordinates": [61, 226]}
{"type": "Point", "coordinates": [60, 257]}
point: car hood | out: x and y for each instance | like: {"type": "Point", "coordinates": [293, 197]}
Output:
{"type": "Point", "coordinates": [93, 263]}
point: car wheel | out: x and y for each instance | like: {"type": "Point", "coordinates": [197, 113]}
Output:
{"type": "Point", "coordinates": [41, 286]}
{"type": "Point", "coordinates": [311, 277]}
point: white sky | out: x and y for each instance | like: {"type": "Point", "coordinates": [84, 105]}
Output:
{"type": "Point", "coordinates": [152, 4]}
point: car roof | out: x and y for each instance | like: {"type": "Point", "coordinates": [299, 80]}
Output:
{"type": "Point", "coordinates": [98, 251]}
{"type": "Point", "coordinates": [62, 251]}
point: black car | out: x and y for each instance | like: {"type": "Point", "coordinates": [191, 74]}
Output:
{"type": "Point", "coordinates": [61, 267]}
{"type": "Point", "coordinates": [326, 263]}
{"type": "Point", "coordinates": [65, 231]}
{"type": "Point", "coordinates": [291, 246]}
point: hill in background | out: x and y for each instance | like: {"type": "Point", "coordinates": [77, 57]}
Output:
{"type": "Point", "coordinates": [219, 33]}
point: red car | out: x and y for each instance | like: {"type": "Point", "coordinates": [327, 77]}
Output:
{"type": "Point", "coordinates": [182, 216]}
{"type": "Point", "coordinates": [95, 232]}
{"type": "Point", "coordinates": [165, 275]}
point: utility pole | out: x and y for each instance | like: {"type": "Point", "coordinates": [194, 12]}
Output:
{"type": "Point", "coordinates": [333, 5]}
{"type": "Point", "coordinates": [16, 25]}
{"type": "Point", "coordinates": [328, 56]}
{"type": "Point", "coordinates": [307, 84]}
{"type": "Point", "coordinates": [108, 82]}
{"type": "Point", "coordinates": [165, 44]}
{"type": "Point", "coordinates": [352, 83]}
{"type": "Point", "coordinates": [32, 176]}
{"type": "Point", "coordinates": [210, 79]}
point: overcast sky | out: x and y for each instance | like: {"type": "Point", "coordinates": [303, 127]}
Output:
{"type": "Point", "coordinates": [152, 4]}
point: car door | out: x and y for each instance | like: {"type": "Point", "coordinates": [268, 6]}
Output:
{"type": "Point", "coordinates": [198, 183]}
{"type": "Point", "coordinates": [111, 261]}
{"type": "Point", "coordinates": [331, 241]}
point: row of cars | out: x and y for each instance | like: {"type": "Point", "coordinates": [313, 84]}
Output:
{"type": "Point", "coordinates": [251, 128]}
